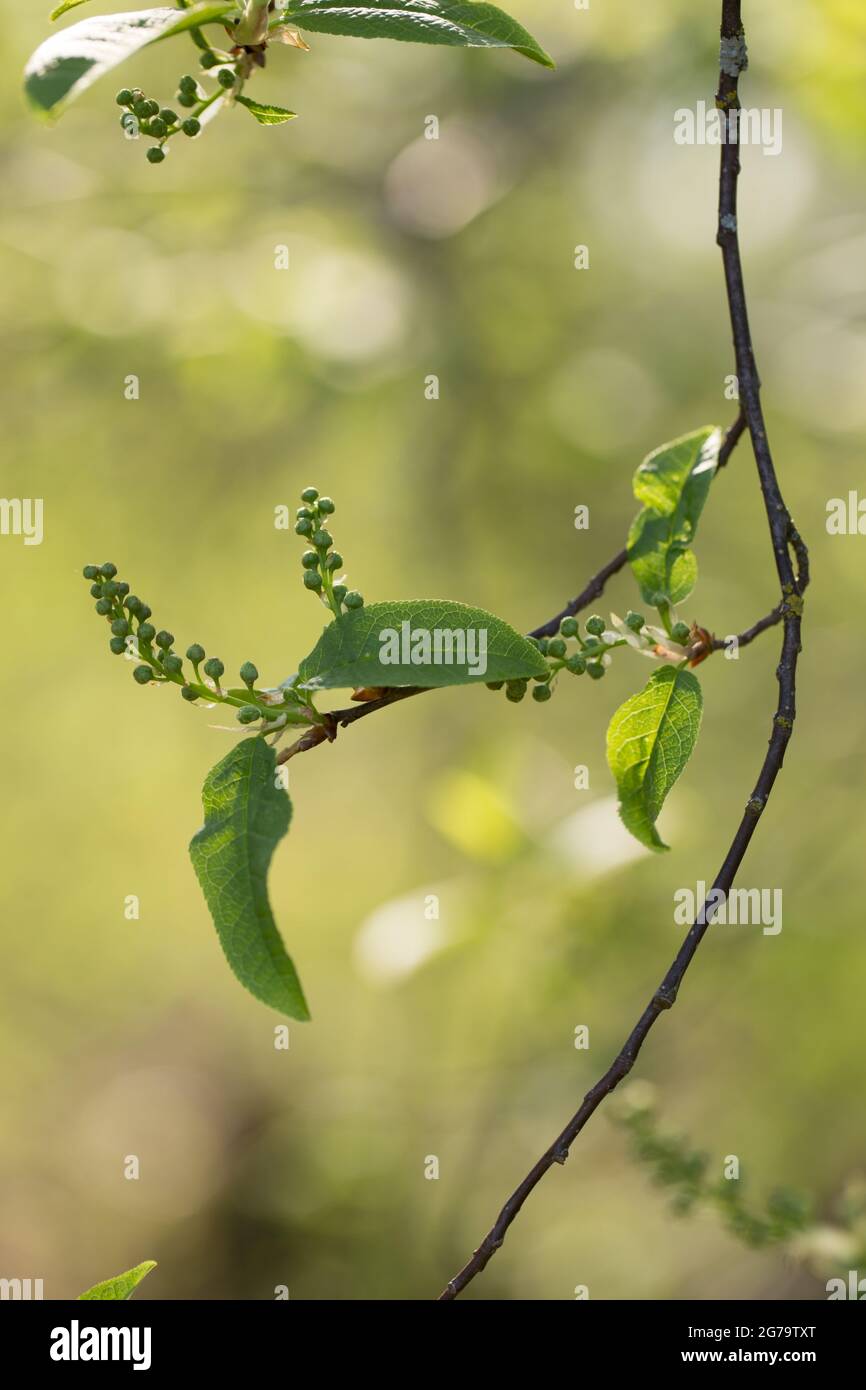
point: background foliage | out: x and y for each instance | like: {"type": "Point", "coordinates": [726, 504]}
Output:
{"type": "Point", "coordinates": [454, 1038]}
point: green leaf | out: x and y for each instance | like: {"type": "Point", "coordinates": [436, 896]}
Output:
{"type": "Point", "coordinates": [246, 814]}
{"type": "Point", "coordinates": [66, 5]}
{"type": "Point", "coordinates": [459, 23]}
{"type": "Point", "coordinates": [266, 115]}
{"type": "Point", "coordinates": [673, 483]}
{"type": "Point", "coordinates": [70, 61]}
{"type": "Point", "coordinates": [649, 741]}
{"type": "Point", "coordinates": [122, 1286]}
{"type": "Point", "coordinates": [390, 644]}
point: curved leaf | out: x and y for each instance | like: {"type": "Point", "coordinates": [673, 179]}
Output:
{"type": "Point", "coordinates": [673, 483]}
{"type": "Point", "coordinates": [649, 741]}
{"type": "Point", "coordinates": [424, 642]}
{"type": "Point", "coordinates": [245, 816]}
{"type": "Point", "coordinates": [122, 1286]}
{"type": "Point", "coordinates": [266, 115]}
{"type": "Point", "coordinates": [64, 6]}
{"type": "Point", "coordinates": [70, 61]}
{"type": "Point", "coordinates": [458, 23]}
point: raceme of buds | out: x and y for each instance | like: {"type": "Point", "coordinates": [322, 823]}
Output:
{"type": "Point", "coordinates": [577, 654]}
{"type": "Point", "coordinates": [320, 563]}
{"type": "Point", "coordinates": [132, 634]}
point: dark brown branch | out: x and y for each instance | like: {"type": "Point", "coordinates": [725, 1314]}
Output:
{"type": "Point", "coordinates": [785, 539]}
{"type": "Point", "coordinates": [342, 718]}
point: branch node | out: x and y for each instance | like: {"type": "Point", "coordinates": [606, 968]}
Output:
{"type": "Point", "coordinates": [665, 998]}
{"type": "Point", "coordinates": [755, 805]}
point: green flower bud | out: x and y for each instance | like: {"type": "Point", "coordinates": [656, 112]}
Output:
{"type": "Point", "coordinates": [568, 627]}
{"type": "Point", "coordinates": [322, 539]}
{"type": "Point", "coordinates": [142, 674]}
{"type": "Point", "coordinates": [634, 620]}
{"type": "Point", "coordinates": [172, 664]}
{"type": "Point", "coordinates": [109, 589]}
{"type": "Point", "coordinates": [543, 644]}
{"type": "Point", "coordinates": [152, 107]}
{"type": "Point", "coordinates": [142, 110]}
{"type": "Point", "coordinates": [104, 607]}
{"type": "Point", "coordinates": [304, 512]}
{"type": "Point", "coordinates": [108, 570]}
{"type": "Point", "coordinates": [353, 599]}
{"type": "Point", "coordinates": [247, 714]}
{"type": "Point", "coordinates": [187, 99]}
{"type": "Point", "coordinates": [96, 590]}
{"type": "Point", "coordinates": [165, 640]}
{"type": "Point", "coordinates": [334, 560]}
{"type": "Point", "coordinates": [226, 77]}
{"type": "Point", "coordinates": [188, 693]}
{"type": "Point", "coordinates": [120, 627]}
{"type": "Point", "coordinates": [122, 589]}
{"type": "Point", "coordinates": [144, 611]}
{"type": "Point", "coordinates": [118, 645]}
{"type": "Point", "coordinates": [312, 579]}
{"type": "Point", "coordinates": [309, 494]}
{"type": "Point", "coordinates": [326, 505]}
{"type": "Point", "coordinates": [191, 127]}
{"type": "Point", "coordinates": [680, 633]}
{"type": "Point", "coordinates": [340, 592]}
{"type": "Point", "coordinates": [155, 155]}
{"type": "Point", "coordinates": [157, 128]}
{"type": "Point", "coordinates": [595, 670]}
{"type": "Point", "coordinates": [188, 83]}
{"type": "Point", "coordinates": [195, 654]}
{"type": "Point", "coordinates": [124, 97]}
{"type": "Point", "coordinates": [556, 647]}
{"type": "Point", "coordinates": [541, 693]}
{"type": "Point", "coordinates": [249, 674]}
{"type": "Point", "coordinates": [495, 685]}
{"type": "Point", "coordinates": [170, 117]}
{"type": "Point", "coordinates": [209, 60]}
{"type": "Point", "coordinates": [90, 571]}
{"type": "Point", "coordinates": [515, 691]}
{"type": "Point", "coordinates": [304, 527]}
{"type": "Point", "coordinates": [146, 632]}
{"type": "Point", "coordinates": [132, 603]}
{"type": "Point", "coordinates": [310, 560]}
{"type": "Point", "coordinates": [595, 625]}
{"type": "Point", "coordinates": [214, 668]}
{"type": "Point", "coordinates": [576, 664]}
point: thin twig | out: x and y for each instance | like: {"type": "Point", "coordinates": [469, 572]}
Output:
{"type": "Point", "coordinates": [342, 718]}
{"type": "Point", "coordinates": [784, 539]}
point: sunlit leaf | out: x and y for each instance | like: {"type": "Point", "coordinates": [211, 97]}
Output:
{"type": "Point", "coordinates": [649, 741]}
{"type": "Point", "coordinates": [246, 815]}
{"type": "Point", "coordinates": [122, 1286]}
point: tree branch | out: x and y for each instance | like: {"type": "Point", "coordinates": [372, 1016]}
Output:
{"type": "Point", "coordinates": [785, 539]}
{"type": "Point", "coordinates": [342, 718]}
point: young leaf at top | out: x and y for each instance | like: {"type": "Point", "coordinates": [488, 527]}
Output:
{"type": "Point", "coordinates": [123, 1286]}
{"type": "Point", "coordinates": [649, 741]}
{"type": "Point", "coordinates": [418, 642]}
{"type": "Point", "coordinates": [458, 23]}
{"type": "Point", "coordinates": [70, 61]}
{"type": "Point", "coordinates": [266, 115]}
{"type": "Point", "coordinates": [673, 483]}
{"type": "Point", "coordinates": [246, 815]}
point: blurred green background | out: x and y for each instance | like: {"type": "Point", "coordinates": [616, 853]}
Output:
{"type": "Point", "coordinates": [453, 1038]}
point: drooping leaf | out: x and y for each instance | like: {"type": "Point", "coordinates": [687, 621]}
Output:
{"type": "Point", "coordinates": [246, 814]}
{"type": "Point", "coordinates": [649, 741]}
{"type": "Point", "coordinates": [122, 1286]}
{"type": "Point", "coordinates": [458, 23]}
{"type": "Point", "coordinates": [673, 483]}
{"type": "Point", "coordinates": [266, 115]}
{"type": "Point", "coordinates": [424, 642]}
{"type": "Point", "coordinates": [68, 63]}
